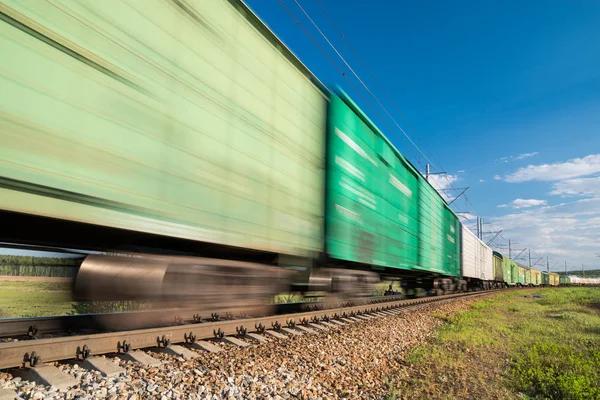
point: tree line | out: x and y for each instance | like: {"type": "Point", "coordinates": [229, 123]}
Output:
{"type": "Point", "coordinates": [6, 259]}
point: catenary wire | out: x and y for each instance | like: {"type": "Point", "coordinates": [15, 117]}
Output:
{"type": "Point", "coordinates": [382, 88]}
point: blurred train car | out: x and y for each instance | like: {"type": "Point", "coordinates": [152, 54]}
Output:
{"type": "Point", "coordinates": [153, 117]}
{"type": "Point", "coordinates": [168, 123]}
{"type": "Point", "coordinates": [564, 280]}
{"type": "Point", "coordinates": [189, 142]}
{"type": "Point", "coordinates": [536, 277]}
{"type": "Point", "coordinates": [501, 274]}
{"type": "Point", "coordinates": [550, 279]}
{"type": "Point", "coordinates": [381, 212]}
{"type": "Point", "coordinates": [477, 261]}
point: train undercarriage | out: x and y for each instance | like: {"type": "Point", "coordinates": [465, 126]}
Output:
{"type": "Point", "coordinates": [193, 278]}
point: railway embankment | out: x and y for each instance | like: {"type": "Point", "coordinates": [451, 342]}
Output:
{"type": "Point", "coordinates": [353, 361]}
{"type": "Point", "coordinates": [542, 343]}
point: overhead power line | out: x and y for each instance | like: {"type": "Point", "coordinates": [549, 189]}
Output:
{"type": "Point", "coordinates": [337, 67]}
{"type": "Point", "coordinates": [366, 87]}
{"type": "Point", "coordinates": [360, 80]}
{"type": "Point", "coordinates": [382, 88]}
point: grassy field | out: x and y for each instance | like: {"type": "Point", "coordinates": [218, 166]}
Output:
{"type": "Point", "coordinates": [530, 344]}
{"type": "Point", "coordinates": [28, 299]}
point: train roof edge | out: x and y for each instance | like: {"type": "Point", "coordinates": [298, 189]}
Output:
{"type": "Point", "coordinates": [363, 116]}
{"type": "Point", "coordinates": [268, 34]}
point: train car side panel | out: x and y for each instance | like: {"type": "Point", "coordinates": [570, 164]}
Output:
{"type": "Point", "coordinates": [470, 255]}
{"type": "Point", "coordinates": [152, 117]}
{"type": "Point", "coordinates": [372, 216]}
{"type": "Point", "coordinates": [375, 214]}
{"type": "Point", "coordinates": [487, 261]}
{"type": "Point", "coordinates": [499, 271]}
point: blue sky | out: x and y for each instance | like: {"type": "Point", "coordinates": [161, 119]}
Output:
{"type": "Point", "coordinates": [508, 92]}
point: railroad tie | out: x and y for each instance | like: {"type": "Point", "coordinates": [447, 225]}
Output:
{"type": "Point", "coordinates": [306, 330]}
{"type": "Point", "coordinates": [257, 337]}
{"type": "Point", "coordinates": [141, 358]}
{"type": "Point", "coordinates": [291, 331]}
{"type": "Point", "coordinates": [179, 351]}
{"type": "Point", "coordinates": [206, 346]}
{"type": "Point", "coordinates": [7, 394]}
{"type": "Point", "coordinates": [48, 375]}
{"type": "Point", "coordinates": [235, 341]}
{"type": "Point", "coordinates": [103, 365]}
{"type": "Point", "coordinates": [317, 326]}
{"type": "Point", "coordinates": [328, 324]}
{"type": "Point", "coordinates": [275, 334]}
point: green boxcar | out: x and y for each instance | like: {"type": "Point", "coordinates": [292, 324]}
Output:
{"type": "Point", "coordinates": [517, 277]}
{"type": "Point", "coordinates": [536, 277]}
{"type": "Point", "coordinates": [380, 211]}
{"type": "Point", "coordinates": [190, 121]}
{"type": "Point", "coordinates": [521, 275]}
{"type": "Point", "coordinates": [527, 280]}
{"type": "Point", "coordinates": [500, 270]}
{"type": "Point", "coordinates": [564, 280]}
{"type": "Point", "coordinates": [545, 279]}
{"type": "Point", "coordinates": [511, 271]}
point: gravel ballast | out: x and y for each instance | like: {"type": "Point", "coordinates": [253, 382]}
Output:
{"type": "Point", "coordinates": [356, 361]}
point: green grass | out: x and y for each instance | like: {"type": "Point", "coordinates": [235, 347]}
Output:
{"type": "Point", "coordinates": [512, 346]}
{"type": "Point", "coordinates": [28, 299]}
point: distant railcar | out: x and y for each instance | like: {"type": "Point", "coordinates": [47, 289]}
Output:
{"type": "Point", "coordinates": [500, 276]}
{"type": "Point", "coordinates": [536, 277]}
{"type": "Point", "coordinates": [477, 260]}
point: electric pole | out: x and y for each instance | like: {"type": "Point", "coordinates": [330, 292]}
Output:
{"type": "Point", "coordinates": [480, 228]}
{"type": "Point", "coordinates": [509, 249]}
{"type": "Point", "coordinates": [428, 172]}
{"type": "Point", "coordinates": [529, 258]}
{"type": "Point", "coordinates": [565, 268]}
{"type": "Point", "coordinates": [547, 264]}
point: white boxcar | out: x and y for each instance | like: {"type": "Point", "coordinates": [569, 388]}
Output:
{"type": "Point", "coordinates": [476, 257]}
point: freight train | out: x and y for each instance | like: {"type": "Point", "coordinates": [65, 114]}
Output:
{"type": "Point", "coordinates": [185, 138]}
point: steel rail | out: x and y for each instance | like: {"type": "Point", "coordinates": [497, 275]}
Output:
{"type": "Point", "coordinates": [19, 354]}
{"type": "Point", "coordinates": [32, 326]}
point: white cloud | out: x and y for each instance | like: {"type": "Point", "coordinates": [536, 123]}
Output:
{"type": "Point", "coordinates": [441, 183]}
{"type": "Point", "coordinates": [481, 180]}
{"type": "Point", "coordinates": [518, 157]}
{"type": "Point", "coordinates": [526, 155]}
{"type": "Point", "coordinates": [467, 217]}
{"type": "Point", "coordinates": [558, 171]}
{"type": "Point", "coordinates": [524, 203]}
{"type": "Point", "coordinates": [461, 171]}
{"type": "Point", "coordinates": [567, 231]}
{"type": "Point", "coordinates": [497, 178]}
{"type": "Point", "coordinates": [577, 187]}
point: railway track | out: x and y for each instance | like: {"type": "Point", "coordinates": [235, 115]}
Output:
{"type": "Point", "coordinates": [44, 327]}
{"type": "Point", "coordinates": [32, 353]}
